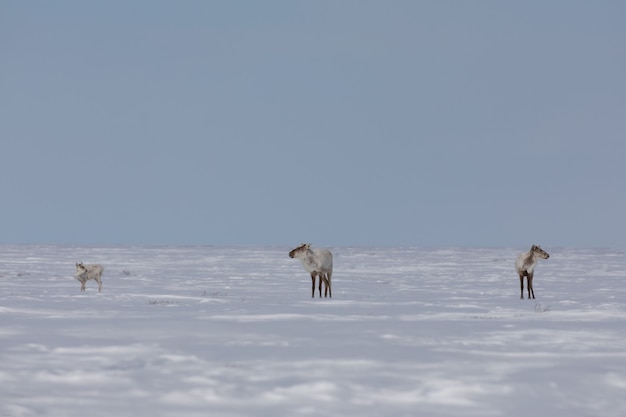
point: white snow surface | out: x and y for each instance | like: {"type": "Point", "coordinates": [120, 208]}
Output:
{"type": "Point", "coordinates": [232, 331]}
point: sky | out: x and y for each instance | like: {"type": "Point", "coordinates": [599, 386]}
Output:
{"type": "Point", "coordinates": [340, 123]}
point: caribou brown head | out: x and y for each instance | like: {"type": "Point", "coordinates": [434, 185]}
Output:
{"type": "Point", "coordinates": [538, 252]}
{"type": "Point", "coordinates": [300, 250]}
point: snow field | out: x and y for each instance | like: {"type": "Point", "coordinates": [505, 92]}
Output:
{"type": "Point", "coordinates": [232, 331]}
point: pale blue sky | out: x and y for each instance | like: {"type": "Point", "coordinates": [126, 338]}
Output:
{"type": "Point", "coordinates": [429, 123]}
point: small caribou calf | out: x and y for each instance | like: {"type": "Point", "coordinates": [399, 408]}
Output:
{"type": "Point", "coordinates": [525, 265]}
{"type": "Point", "coordinates": [86, 272]}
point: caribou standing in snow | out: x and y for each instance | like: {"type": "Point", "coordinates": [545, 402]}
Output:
{"type": "Point", "coordinates": [525, 265]}
{"type": "Point", "coordinates": [86, 272]}
{"type": "Point", "coordinates": [319, 263]}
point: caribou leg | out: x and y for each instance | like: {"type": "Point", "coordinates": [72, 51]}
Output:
{"type": "Point", "coordinates": [330, 284]}
{"type": "Point", "coordinates": [328, 292]}
{"type": "Point", "coordinates": [312, 285]}
{"type": "Point", "coordinates": [321, 276]}
{"type": "Point", "coordinates": [530, 286]}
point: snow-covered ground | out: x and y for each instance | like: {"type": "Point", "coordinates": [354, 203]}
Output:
{"type": "Point", "coordinates": [232, 331]}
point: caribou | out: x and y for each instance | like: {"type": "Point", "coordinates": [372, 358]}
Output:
{"type": "Point", "coordinates": [525, 266]}
{"type": "Point", "coordinates": [86, 272]}
{"type": "Point", "coordinates": [319, 263]}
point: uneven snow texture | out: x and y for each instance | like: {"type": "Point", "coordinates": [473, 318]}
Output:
{"type": "Point", "coordinates": [223, 331]}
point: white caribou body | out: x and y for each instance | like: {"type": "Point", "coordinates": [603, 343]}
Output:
{"type": "Point", "coordinates": [525, 266]}
{"type": "Point", "coordinates": [86, 272]}
{"type": "Point", "coordinates": [319, 263]}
